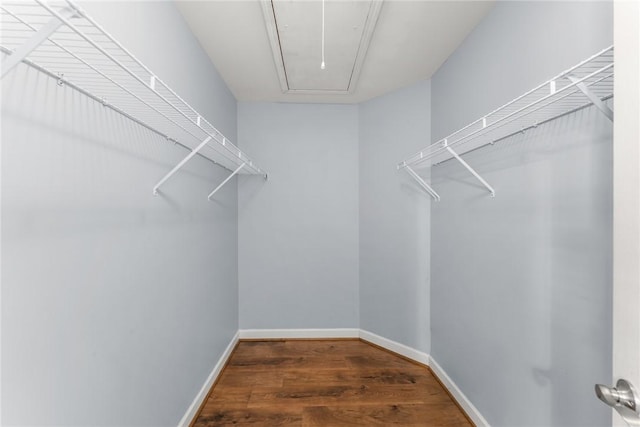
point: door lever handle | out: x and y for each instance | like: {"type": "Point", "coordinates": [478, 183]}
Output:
{"type": "Point", "coordinates": [623, 398]}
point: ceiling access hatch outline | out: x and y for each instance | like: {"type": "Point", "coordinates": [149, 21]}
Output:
{"type": "Point", "coordinates": [294, 29]}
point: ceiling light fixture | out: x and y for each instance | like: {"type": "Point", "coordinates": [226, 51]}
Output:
{"type": "Point", "coordinates": [322, 63]}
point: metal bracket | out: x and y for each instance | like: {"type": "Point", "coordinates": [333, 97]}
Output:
{"type": "Point", "coordinates": [592, 97]}
{"type": "Point", "coordinates": [226, 180]}
{"type": "Point", "coordinates": [179, 165]}
{"type": "Point", "coordinates": [36, 40]}
{"type": "Point", "coordinates": [423, 184]}
{"type": "Point", "coordinates": [469, 168]}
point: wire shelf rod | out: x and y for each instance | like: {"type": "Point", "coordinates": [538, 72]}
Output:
{"type": "Point", "coordinates": [110, 80]}
{"type": "Point", "coordinates": [588, 83]}
{"type": "Point", "coordinates": [121, 111]}
{"type": "Point", "coordinates": [540, 123]}
{"type": "Point", "coordinates": [510, 114]}
{"type": "Point", "coordinates": [96, 98]}
{"type": "Point", "coordinates": [420, 157]}
{"type": "Point", "coordinates": [34, 41]}
{"type": "Point", "coordinates": [235, 151]}
{"type": "Point", "coordinates": [562, 110]}
{"type": "Point", "coordinates": [85, 57]}
{"type": "Point", "coordinates": [84, 15]}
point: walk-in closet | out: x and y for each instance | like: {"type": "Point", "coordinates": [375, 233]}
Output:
{"type": "Point", "coordinates": [320, 213]}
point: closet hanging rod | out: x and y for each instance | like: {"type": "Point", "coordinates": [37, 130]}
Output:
{"type": "Point", "coordinates": [96, 98]}
{"type": "Point", "coordinates": [106, 105]}
{"type": "Point", "coordinates": [36, 40]}
{"type": "Point", "coordinates": [603, 62]}
{"type": "Point", "coordinates": [59, 39]}
{"type": "Point", "coordinates": [533, 126]}
{"type": "Point", "coordinates": [575, 89]}
{"type": "Point", "coordinates": [588, 83]}
{"type": "Point", "coordinates": [153, 82]}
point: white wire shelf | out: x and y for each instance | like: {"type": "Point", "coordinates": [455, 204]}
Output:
{"type": "Point", "coordinates": [61, 40]}
{"type": "Point", "coordinates": [589, 82]}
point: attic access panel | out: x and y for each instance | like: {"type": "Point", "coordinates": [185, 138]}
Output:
{"type": "Point", "coordinates": [295, 33]}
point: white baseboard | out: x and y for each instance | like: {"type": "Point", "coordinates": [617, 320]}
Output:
{"type": "Point", "coordinates": [395, 347]}
{"type": "Point", "coordinates": [202, 394]}
{"type": "Point", "coordinates": [466, 404]}
{"type": "Point", "coordinates": [298, 333]}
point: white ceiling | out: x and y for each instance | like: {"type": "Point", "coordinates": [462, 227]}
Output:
{"type": "Point", "coordinates": [408, 43]}
{"type": "Point", "coordinates": [295, 31]}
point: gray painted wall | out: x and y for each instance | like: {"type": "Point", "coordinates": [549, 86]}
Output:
{"type": "Point", "coordinates": [116, 304]}
{"type": "Point", "coordinates": [298, 233]}
{"type": "Point", "coordinates": [394, 218]}
{"type": "Point", "coordinates": [521, 284]}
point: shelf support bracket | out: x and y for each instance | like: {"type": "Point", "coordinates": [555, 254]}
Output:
{"type": "Point", "coordinates": [179, 165]}
{"type": "Point", "coordinates": [36, 40]}
{"type": "Point", "coordinates": [469, 168]}
{"type": "Point", "coordinates": [422, 183]}
{"type": "Point", "coordinates": [592, 97]}
{"type": "Point", "coordinates": [234, 173]}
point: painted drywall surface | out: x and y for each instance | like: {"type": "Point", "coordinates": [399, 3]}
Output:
{"type": "Point", "coordinates": [116, 304]}
{"type": "Point", "coordinates": [521, 284]}
{"type": "Point", "coordinates": [298, 231]}
{"type": "Point", "coordinates": [394, 218]}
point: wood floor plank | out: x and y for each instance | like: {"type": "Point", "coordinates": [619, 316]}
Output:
{"type": "Point", "coordinates": [251, 418]}
{"type": "Point", "coordinates": [228, 398]}
{"type": "Point", "coordinates": [325, 383]}
{"type": "Point", "coordinates": [346, 395]}
{"type": "Point", "coordinates": [367, 376]}
{"type": "Point", "coordinates": [383, 415]}
{"type": "Point", "coordinates": [239, 376]}
{"type": "Point", "coordinates": [383, 360]}
{"type": "Point", "coordinates": [296, 362]}
{"type": "Point", "coordinates": [295, 348]}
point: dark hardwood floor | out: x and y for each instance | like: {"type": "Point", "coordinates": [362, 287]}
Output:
{"type": "Point", "coordinates": [325, 383]}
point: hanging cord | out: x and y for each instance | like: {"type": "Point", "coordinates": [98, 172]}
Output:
{"type": "Point", "coordinates": [322, 63]}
